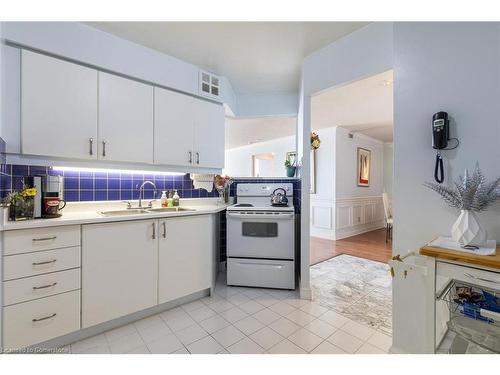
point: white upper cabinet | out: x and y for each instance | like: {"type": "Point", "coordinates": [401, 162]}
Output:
{"type": "Point", "coordinates": [125, 120]}
{"type": "Point", "coordinates": [188, 131]}
{"type": "Point", "coordinates": [208, 134]}
{"type": "Point", "coordinates": [173, 128]}
{"type": "Point", "coordinates": [75, 112]}
{"type": "Point", "coordinates": [58, 108]}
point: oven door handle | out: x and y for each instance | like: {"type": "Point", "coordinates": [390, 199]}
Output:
{"type": "Point", "coordinates": [262, 265]}
{"type": "Point", "coordinates": [262, 216]}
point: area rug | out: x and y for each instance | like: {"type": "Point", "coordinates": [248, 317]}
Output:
{"type": "Point", "coordinates": [357, 288]}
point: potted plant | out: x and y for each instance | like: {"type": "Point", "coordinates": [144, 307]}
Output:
{"type": "Point", "coordinates": [469, 194]}
{"type": "Point", "coordinates": [21, 204]}
{"type": "Point", "coordinates": [290, 168]}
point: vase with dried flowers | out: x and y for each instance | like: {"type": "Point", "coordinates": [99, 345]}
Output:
{"type": "Point", "coordinates": [222, 184]}
{"type": "Point", "coordinates": [469, 194]}
{"type": "Point", "coordinates": [315, 141]}
{"type": "Point", "coordinates": [21, 203]}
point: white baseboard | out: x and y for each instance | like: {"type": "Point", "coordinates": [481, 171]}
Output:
{"type": "Point", "coordinates": [353, 231]}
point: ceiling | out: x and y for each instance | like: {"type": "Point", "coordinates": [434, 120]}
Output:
{"type": "Point", "coordinates": [255, 56]}
{"type": "Point", "coordinates": [364, 106]}
{"type": "Point", "coordinates": [241, 132]}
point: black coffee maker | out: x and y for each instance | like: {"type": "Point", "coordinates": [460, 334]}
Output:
{"type": "Point", "coordinates": [48, 200]}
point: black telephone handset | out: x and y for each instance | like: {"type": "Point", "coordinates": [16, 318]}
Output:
{"type": "Point", "coordinates": [440, 130]}
{"type": "Point", "coordinates": [440, 138]}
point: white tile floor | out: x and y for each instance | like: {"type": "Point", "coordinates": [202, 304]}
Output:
{"type": "Point", "coordinates": [242, 321]}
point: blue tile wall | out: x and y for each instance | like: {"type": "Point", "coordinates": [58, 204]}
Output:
{"type": "Point", "coordinates": [107, 186]}
{"type": "Point", "coordinates": [100, 186]}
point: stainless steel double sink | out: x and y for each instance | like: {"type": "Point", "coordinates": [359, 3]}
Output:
{"type": "Point", "coordinates": [138, 211]}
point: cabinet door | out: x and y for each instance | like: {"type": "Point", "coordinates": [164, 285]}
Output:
{"type": "Point", "coordinates": [58, 108]}
{"type": "Point", "coordinates": [209, 134]}
{"type": "Point", "coordinates": [125, 120]}
{"type": "Point", "coordinates": [185, 256]}
{"type": "Point", "coordinates": [119, 269]}
{"type": "Point", "coordinates": [173, 128]}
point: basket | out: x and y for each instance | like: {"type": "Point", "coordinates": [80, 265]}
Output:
{"type": "Point", "coordinates": [474, 314]}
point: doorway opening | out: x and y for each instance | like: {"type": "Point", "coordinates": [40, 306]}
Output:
{"type": "Point", "coordinates": [350, 205]}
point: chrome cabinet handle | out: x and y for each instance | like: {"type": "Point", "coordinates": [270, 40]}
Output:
{"type": "Point", "coordinates": [44, 286]}
{"type": "Point", "coordinates": [197, 158]}
{"type": "Point", "coordinates": [44, 239]}
{"type": "Point", "coordinates": [91, 145]}
{"type": "Point", "coordinates": [154, 231]}
{"type": "Point", "coordinates": [104, 148]}
{"type": "Point", "coordinates": [44, 318]}
{"type": "Point", "coordinates": [481, 279]}
{"type": "Point", "coordinates": [164, 230]}
{"type": "Point", "coordinates": [46, 262]}
{"type": "Point", "coordinates": [190, 153]}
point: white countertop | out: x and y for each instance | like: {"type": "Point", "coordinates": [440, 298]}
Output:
{"type": "Point", "coordinates": [77, 213]}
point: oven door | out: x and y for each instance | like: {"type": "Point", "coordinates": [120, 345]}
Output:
{"type": "Point", "coordinates": [261, 235]}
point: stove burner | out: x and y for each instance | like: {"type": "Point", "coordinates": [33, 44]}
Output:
{"type": "Point", "coordinates": [244, 205]}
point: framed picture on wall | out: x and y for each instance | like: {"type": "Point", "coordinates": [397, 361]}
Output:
{"type": "Point", "coordinates": [364, 165]}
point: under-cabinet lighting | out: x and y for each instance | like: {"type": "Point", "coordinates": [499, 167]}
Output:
{"type": "Point", "coordinates": [104, 170]}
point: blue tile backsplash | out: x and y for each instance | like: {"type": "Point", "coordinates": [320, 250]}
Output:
{"type": "Point", "coordinates": [106, 186]}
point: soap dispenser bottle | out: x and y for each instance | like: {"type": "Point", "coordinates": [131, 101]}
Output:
{"type": "Point", "coordinates": [170, 200]}
{"type": "Point", "coordinates": [163, 199]}
{"type": "Point", "coordinates": [176, 198]}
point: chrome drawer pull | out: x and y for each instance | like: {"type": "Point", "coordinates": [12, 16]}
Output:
{"type": "Point", "coordinates": [46, 262]}
{"type": "Point", "coordinates": [44, 239]}
{"type": "Point", "coordinates": [44, 318]}
{"type": "Point", "coordinates": [154, 231]}
{"type": "Point", "coordinates": [44, 286]}
{"type": "Point", "coordinates": [164, 230]}
{"type": "Point", "coordinates": [481, 279]}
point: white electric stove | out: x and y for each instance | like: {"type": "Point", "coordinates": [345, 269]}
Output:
{"type": "Point", "coordinates": [261, 238]}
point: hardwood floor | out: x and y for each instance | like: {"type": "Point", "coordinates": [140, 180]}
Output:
{"type": "Point", "coordinates": [370, 245]}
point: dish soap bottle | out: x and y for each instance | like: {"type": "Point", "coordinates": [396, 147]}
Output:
{"type": "Point", "coordinates": [176, 198]}
{"type": "Point", "coordinates": [163, 199]}
{"type": "Point", "coordinates": [170, 200]}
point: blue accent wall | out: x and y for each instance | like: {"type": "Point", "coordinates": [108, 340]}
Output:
{"type": "Point", "coordinates": [110, 186]}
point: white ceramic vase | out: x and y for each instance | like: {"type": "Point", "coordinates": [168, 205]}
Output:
{"type": "Point", "coordinates": [468, 231]}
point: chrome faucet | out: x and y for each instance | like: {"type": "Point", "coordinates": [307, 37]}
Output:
{"type": "Point", "coordinates": [141, 193]}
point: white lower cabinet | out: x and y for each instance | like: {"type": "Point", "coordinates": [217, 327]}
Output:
{"type": "Point", "coordinates": [119, 269]}
{"type": "Point", "coordinates": [42, 319]}
{"type": "Point", "coordinates": [185, 256]}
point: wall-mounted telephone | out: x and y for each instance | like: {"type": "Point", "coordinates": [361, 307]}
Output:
{"type": "Point", "coordinates": [440, 138]}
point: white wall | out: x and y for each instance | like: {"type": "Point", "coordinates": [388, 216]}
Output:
{"type": "Point", "coordinates": [322, 202]}
{"type": "Point", "coordinates": [346, 165]}
{"type": "Point", "coordinates": [388, 168]}
{"type": "Point", "coordinates": [267, 104]}
{"type": "Point", "coordinates": [454, 67]}
{"type": "Point", "coordinates": [340, 208]}
{"type": "Point", "coordinates": [239, 160]}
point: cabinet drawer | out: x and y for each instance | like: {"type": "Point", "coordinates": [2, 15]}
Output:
{"type": "Point", "coordinates": [36, 321]}
{"type": "Point", "coordinates": [30, 288]}
{"type": "Point", "coordinates": [23, 265]}
{"type": "Point", "coordinates": [261, 273]}
{"type": "Point", "coordinates": [487, 279]}
{"type": "Point", "coordinates": [30, 240]}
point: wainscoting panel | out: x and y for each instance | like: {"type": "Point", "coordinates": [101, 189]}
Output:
{"type": "Point", "coordinates": [322, 219]}
{"type": "Point", "coordinates": [358, 215]}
